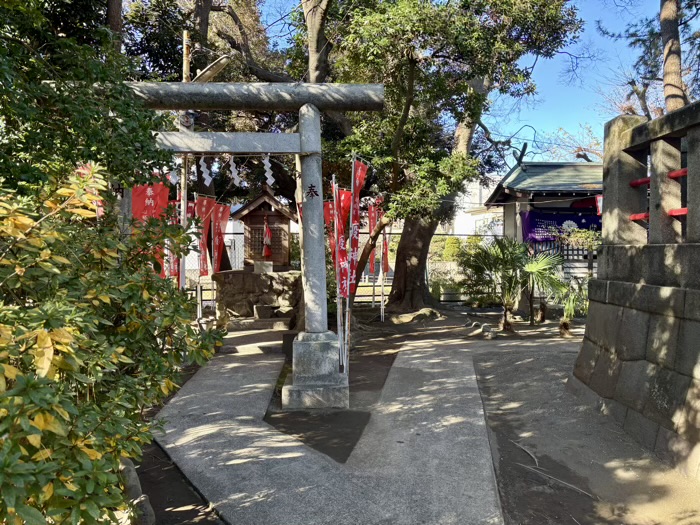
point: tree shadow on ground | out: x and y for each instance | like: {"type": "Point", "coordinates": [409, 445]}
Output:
{"type": "Point", "coordinates": [587, 471]}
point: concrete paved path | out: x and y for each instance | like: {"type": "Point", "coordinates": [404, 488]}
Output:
{"type": "Point", "coordinates": [423, 458]}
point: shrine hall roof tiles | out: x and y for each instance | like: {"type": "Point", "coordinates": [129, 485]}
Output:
{"type": "Point", "coordinates": [532, 178]}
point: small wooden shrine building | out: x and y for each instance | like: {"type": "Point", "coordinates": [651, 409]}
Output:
{"type": "Point", "coordinates": [278, 216]}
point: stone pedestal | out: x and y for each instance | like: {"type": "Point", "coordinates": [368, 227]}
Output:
{"type": "Point", "coordinates": [315, 381]}
{"type": "Point", "coordinates": [262, 267]}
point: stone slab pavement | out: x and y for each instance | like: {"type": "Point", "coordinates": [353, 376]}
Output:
{"type": "Point", "coordinates": [424, 457]}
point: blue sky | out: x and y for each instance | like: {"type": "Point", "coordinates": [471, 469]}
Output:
{"type": "Point", "coordinates": [563, 104]}
{"type": "Point", "coordinates": [558, 103]}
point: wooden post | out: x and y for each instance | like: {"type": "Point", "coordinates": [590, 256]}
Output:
{"type": "Point", "coordinates": [186, 56]}
{"type": "Point", "coordinates": [183, 176]}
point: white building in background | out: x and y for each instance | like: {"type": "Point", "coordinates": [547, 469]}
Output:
{"type": "Point", "coordinates": [472, 217]}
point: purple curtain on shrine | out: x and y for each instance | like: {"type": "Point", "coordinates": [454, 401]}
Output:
{"type": "Point", "coordinates": [537, 225]}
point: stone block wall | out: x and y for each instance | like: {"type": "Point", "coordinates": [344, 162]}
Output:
{"type": "Point", "coordinates": [640, 358]}
{"type": "Point", "coordinates": [641, 351]}
{"type": "Point", "coordinates": [239, 291]}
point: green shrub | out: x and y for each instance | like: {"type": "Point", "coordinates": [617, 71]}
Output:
{"type": "Point", "coordinates": [90, 337]}
{"type": "Point", "coordinates": [452, 250]}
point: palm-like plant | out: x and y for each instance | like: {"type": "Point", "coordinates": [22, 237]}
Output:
{"type": "Point", "coordinates": [574, 298]}
{"type": "Point", "coordinates": [508, 266]}
{"type": "Point", "coordinates": [500, 264]}
{"type": "Point", "coordinates": [542, 274]}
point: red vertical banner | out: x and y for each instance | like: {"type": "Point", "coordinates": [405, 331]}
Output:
{"type": "Point", "coordinates": [344, 198]}
{"type": "Point", "coordinates": [372, 225]}
{"type": "Point", "coordinates": [220, 218]}
{"type": "Point", "coordinates": [204, 209]}
{"type": "Point", "coordinates": [267, 240]}
{"type": "Point", "coordinates": [149, 201]}
{"type": "Point", "coordinates": [341, 265]}
{"type": "Point", "coordinates": [358, 182]}
{"type": "Point", "coordinates": [328, 214]}
{"type": "Point", "coordinates": [190, 209]}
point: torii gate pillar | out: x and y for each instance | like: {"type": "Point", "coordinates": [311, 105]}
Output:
{"type": "Point", "coordinates": [316, 381]}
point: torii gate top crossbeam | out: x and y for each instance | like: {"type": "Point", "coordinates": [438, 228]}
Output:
{"type": "Point", "coordinates": [259, 96]}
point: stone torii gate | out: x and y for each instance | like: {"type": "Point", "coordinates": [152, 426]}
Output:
{"type": "Point", "coordinates": [316, 378]}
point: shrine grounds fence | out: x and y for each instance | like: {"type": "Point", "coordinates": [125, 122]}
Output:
{"type": "Point", "coordinates": [444, 276]}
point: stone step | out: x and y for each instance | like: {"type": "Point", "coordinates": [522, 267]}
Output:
{"type": "Point", "coordinates": [277, 323]}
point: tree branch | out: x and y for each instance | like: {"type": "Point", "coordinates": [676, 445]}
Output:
{"type": "Point", "coordinates": [641, 94]}
{"type": "Point", "coordinates": [243, 47]}
{"type": "Point", "coordinates": [405, 112]}
{"type": "Point", "coordinates": [487, 135]}
{"type": "Point", "coordinates": [370, 245]}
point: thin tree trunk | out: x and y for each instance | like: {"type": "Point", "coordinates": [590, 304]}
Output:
{"type": "Point", "coordinates": [316, 14]}
{"type": "Point", "coordinates": [405, 112]}
{"type": "Point", "coordinates": [409, 289]}
{"type": "Point", "coordinates": [370, 245]}
{"type": "Point", "coordinates": [506, 323]}
{"type": "Point", "coordinates": [114, 22]}
{"type": "Point", "coordinates": [674, 94]}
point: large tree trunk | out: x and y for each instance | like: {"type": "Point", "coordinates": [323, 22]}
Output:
{"type": "Point", "coordinates": [674, 94]}
{"type": "Point", "coordinates": [409, 289]}
{"type": "Point", "coordinates": [315, 13]}
{"type": "Point", "coordinates": [202, 10]}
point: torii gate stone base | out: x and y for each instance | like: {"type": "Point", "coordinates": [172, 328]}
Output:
{"type": "Point", "coordinates": [316, 379]}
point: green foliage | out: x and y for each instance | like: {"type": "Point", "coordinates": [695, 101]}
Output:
{"type": "Point", "coordinates": [51, 117]}
{"type": "Point", "coordinates": [154, 35]}
{"type": "Point", "coordinates": [453, 248]}
{"type": "Point", "coordinates": [294, 252]}
{"type": "Point", "coordinates": [508, 266]}
{"type": "Point", "coordinates": [574, 297]}
{"type": "Point", "coordinates": [499, 264]}
{"type": "Point", "coordinates": [579, 238]}
{"type": "Point", "coordinates": [90, 336]}
{"type": "Point", "coordinates": [430, 56]}
{"type": "Point", "coordinates": [541, 272]}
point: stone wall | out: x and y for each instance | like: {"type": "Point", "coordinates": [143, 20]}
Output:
{"type": "Point", "coordinates": [239, 291]}
{"type": "Point", "coordinates": [641, 355]}
{"type": "Point", "coordinates": [640, 358]}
